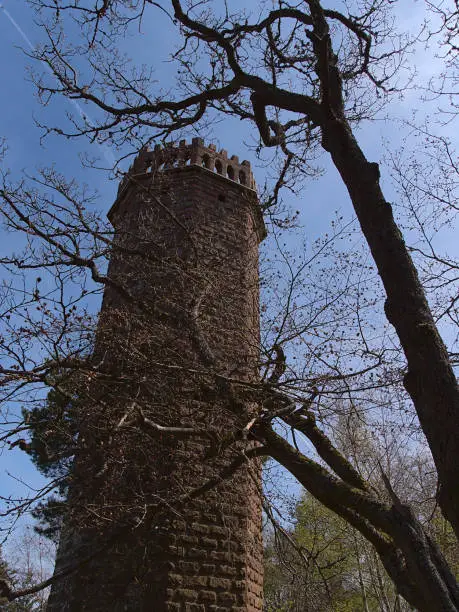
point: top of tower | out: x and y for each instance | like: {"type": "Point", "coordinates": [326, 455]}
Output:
{"type": "Point", "coordinates": [194, 154]}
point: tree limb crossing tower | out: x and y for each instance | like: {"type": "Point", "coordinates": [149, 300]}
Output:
{"type": "Point", "coordinates": [177, 341]}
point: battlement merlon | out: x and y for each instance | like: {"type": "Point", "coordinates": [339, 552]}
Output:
{"type": "Point", "coordinates": [196, 154]}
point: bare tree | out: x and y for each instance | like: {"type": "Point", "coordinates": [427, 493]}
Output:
{"type": "Point", "coordinates": [340, 76]}
{"type": "Point", "coordinates": [28, 561]}
{"type": "Point", "coordinates": [333, 55]}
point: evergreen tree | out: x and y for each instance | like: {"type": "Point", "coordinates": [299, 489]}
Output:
{"type": "Point", "coordinates": [51, 445]}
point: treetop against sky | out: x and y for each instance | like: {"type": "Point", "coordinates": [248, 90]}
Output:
{"type": "Point", "coordinates": [157, 39]}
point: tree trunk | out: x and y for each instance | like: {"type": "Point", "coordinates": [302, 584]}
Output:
{"type": "Point", "coordinates": [411, 559]}
{"type": "Point", "coordinates": [430, 379]}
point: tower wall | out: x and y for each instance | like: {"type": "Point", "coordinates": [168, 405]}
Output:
{"type": "Point", "coordinates": [179, 320]}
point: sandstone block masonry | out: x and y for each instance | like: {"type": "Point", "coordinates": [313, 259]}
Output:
{"type": "Point", "coordinates": [180, 317]}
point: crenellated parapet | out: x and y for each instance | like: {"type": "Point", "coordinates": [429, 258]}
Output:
{"type": "Point", "coordinates": [195, 154]}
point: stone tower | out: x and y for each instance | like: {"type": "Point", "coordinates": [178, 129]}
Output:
{"type": "Point", "coordinates": [177, 343]}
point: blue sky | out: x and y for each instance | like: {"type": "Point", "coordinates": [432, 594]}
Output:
{"type": "Point", "coordinates": [19, 108]}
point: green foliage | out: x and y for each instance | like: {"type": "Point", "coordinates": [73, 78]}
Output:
{"type": "Point", "coordinates": [53, 433]}
{"type": "Point", "coordinates": [329, 568]}
{"type": "Point", "coordinates": [326, 537]}
{"type": "Point", "coordinates": [445, 537]}
{"type": "Point", "coordinates": [275, 597]}
{"type": "Point", "coordinates": [49, 516]}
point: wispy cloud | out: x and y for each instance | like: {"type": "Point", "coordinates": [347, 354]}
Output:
{"type": "Point", "coordinates": [107, 153]}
